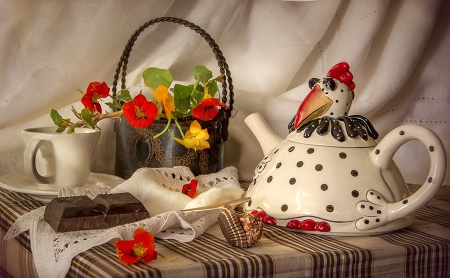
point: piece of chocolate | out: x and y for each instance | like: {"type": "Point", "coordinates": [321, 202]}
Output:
{"type": "Point", "coordinates": [118, 203]}
{"type": "Point", "coordinates": [240, 230]}
{"type": "Point", "coordinates": [75, 213]}
{"type": "Point", "coordinates": [121, 208]}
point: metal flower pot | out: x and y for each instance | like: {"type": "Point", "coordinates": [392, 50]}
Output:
{"type": "Point", "coordinates": [136, 148]}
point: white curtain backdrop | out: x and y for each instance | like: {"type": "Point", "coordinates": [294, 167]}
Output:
{"type": "Point", "coordinates": [398, 52]}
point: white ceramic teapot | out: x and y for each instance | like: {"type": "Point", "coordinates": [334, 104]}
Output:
{"type": "Point", "coordinates": [329, 176]}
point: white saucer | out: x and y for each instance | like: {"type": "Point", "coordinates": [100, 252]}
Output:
{"type": "Point", "coordinates": [19, 182]}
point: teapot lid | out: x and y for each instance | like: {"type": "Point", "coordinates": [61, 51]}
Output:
{"type": "Point", "coordinates": [353, 131]}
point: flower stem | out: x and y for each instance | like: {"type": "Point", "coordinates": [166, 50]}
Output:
{"type": "Point", "coordinates": [165, 129]}
{"type": "Point", "coordinates": [99, 117]}
{"type": "Point", "coordinates": [74, 111]}
{"type": "Point", "coordinates": [179, 128]}
{"type": "Point", "coordinates": [165, 258]}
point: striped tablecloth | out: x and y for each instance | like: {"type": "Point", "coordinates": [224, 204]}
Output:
{"type": "Point", "coordinates": [420, 250]}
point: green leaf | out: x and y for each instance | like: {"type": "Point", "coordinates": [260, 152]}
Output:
{"type": "Point", "coordinates": [154, 77]}
{"type": "Point", "coordinates": [178, 114]}
{"type": "Point", "coordinates": [121, 97]}
{"type": "Point", "coordinates": [86, 115]}
{"type": "Point", "coordinates": [182, 97]}
{"type": "Point", "coordinates": [204, 72]}
{"type": "Point", "coordinates": [57, 119]}
{"type": "Point", "coordinates": [60, 129]}
{"type": "Point", "coordinates": [70, 129]}
{"type": "Point", "coordinates": [125, 96]}
{"type": "Point", "coordinates": [220, 78]}
{"type": "Point", "coordinates": [197, 95]}
{"type": "Point", "coordinates": [212, 87]}
{"type": "Point", "coordinates": [65, 123]}
{"type": "Point", "coordinates": [197, 81]}
{"type": "Point", "coordinates": [113, 106]}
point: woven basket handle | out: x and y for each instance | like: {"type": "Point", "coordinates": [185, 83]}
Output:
{"type": "Point", "coordinates": [227, 83]}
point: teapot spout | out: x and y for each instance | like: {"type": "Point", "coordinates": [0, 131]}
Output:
{"type": "Point", "coordinates": [267, 139]}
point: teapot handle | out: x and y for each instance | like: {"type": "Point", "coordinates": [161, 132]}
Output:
{"type": "Point", "coordinates": [382, 155]}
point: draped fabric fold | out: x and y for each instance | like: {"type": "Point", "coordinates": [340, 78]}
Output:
{"type": "Point", "coordinates": [397, 51]}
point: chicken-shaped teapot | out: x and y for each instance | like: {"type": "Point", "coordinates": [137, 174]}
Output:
{"type": "Point", "coordinates": [330, 176]}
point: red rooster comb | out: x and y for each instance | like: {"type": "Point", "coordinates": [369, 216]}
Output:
{"type": "Point", "coordinates": [341, 72]}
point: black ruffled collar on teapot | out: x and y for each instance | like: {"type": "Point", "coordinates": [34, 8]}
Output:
{"type": "Point", "coordinates": [355, 125]}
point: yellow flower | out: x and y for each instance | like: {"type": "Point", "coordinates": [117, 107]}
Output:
{"type": "Point", "coordinates": [163, 96]}
{"type": "Point", "coordinates": [195, 138]}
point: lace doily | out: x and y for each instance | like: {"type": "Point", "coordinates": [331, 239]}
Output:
{"type": "Point", "coordinates": [153, 187]}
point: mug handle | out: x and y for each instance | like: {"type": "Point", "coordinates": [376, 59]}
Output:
{"type": "Point", "coordinates": [384, 212]}
{"type": "Point", "coordinates": [30, 160]}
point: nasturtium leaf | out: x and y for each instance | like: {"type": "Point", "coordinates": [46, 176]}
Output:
{"type": "Point", "coordinates": [196, 84]}
{"type": "Point", "coordinates": [122, 97]}
{"type": "Point", "coordinates": [197, 95]}
{"type": "Point", "coordinates": [57, 119]}
{"type": "Point", "coordinates": [177, 114]}
{"type": "Point", "coordinates": [71, 129]}
{"type": "Point", "coordinates": [65, 123]}
{"type": "Point", "coordinates": [204, 72]}
{"type": "Point", "coordinates": [154, 77]}
{"type": "Point", "coordinates": [125, 96]}
{"type": "Point", "coordinates": [212, 88]}
{"type": "Point", "coordinates": [182, 97]}
{"type": "Point", "coordinates": [220, 78]}
{"type": "Point", "coordinates": [87, 118]}
{"type": "Point", "coordinates": [60, 129]}
{"type": "Point", "coordinates": [113, 106]}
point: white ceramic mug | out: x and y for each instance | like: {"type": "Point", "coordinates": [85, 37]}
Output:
{"type": "Point", "coordinates": [55, 160]}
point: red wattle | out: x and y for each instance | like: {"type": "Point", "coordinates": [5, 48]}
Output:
{"type": "Point", "coordinates": [352, 87]}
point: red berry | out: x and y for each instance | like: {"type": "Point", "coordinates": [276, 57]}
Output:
{"type": "Point", "coordinates": [261, 214]}
{"type": "Point", "coordinates": [269, 220]}
{"type": "Point", "coordinates": [322, 226]}
{"type": "Point", "coordinates": [293, 224]}
{"type": "Point", "coordinates": [254, 212]}
{"type": "Point", "coordinates": [307, 225]}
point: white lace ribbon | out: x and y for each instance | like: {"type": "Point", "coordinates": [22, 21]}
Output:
{"type": "Point", "coordinates": [182, 226]}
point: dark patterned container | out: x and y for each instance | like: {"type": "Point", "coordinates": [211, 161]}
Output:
{"type": "Point", "coordinates": [136, 147]}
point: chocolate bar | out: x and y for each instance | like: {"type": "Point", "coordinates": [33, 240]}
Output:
{"type": "Point", "coordinates": [75, 213]}
{"type": "Point", "coordinates": [121, 208]}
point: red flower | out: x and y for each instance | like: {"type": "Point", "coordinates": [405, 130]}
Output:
{"type": "Point", "coordinates": [94, 92]}
{"type": "Point", "coordinates": [190, 188]}
{"type": "Point", "coordinates": [207, 109]}
{"type": "Point", "coordinates": [141, 247]}
{"type": "Point", "coordinates": [140, 112]}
